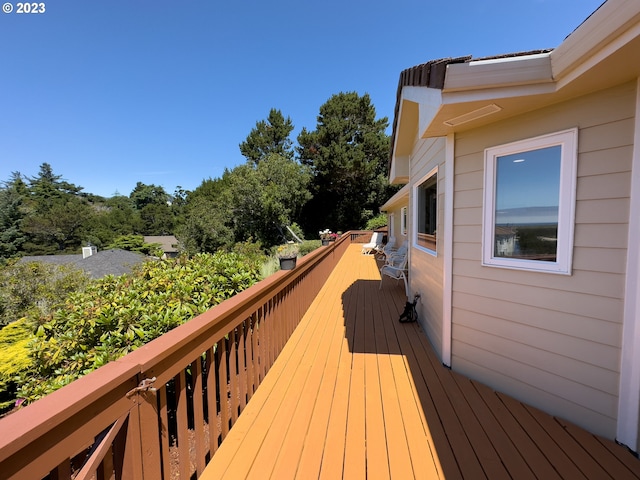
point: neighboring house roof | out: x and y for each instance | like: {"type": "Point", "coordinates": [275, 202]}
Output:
{"type": "Point", "coordinates": [107, 262]}
{"type": "Point", "coordinates": [168, 243]}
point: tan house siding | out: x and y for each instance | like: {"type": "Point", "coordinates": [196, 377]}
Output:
{"type": "Point", "coordinates": [428, 154]}
{"type": "Point", "coordinates": [552, 340]}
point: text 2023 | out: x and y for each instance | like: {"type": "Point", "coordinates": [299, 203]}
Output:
{"type": "Point", "coordinates": [30, 8]}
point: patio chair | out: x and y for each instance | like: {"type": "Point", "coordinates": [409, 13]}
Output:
{"type": "Point", "coordinates": [397, 268]}
{"type": "Point", "coordinates": [385, 250]}
{"type": "Point", "coordinates": [375, 242]}
{"type": "Point", "coordinates": [393, 256]}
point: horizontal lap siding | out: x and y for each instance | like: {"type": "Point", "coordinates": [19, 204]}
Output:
{"type": "Point", "coordinates": [551, 340]}
{"type": "Point", "coordinates": [426, 277]}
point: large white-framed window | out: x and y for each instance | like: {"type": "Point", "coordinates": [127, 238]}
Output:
{"type": "Point", "coordinates": [425, 212]}
{"type": "Point", "coordinates": [529, 203]}
{"type": "Point", "coordinates": [403, 220]}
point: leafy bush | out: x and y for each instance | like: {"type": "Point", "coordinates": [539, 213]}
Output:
{"type": "Point", "coordinates": [309, 246]}
{"type": "Point", "coordinates": [376, 222]}
{"type": "Point", "coordinates": [115, 315]}
{"type": "Point", "coordinates": [136, 243]}
{"type": "Point", "coordinates": [251, 252]}
{"type": "Point", "coordinates": [297, 230]}
{"type": "Point", "coordinates": [270, 266]}
{"type": "Point", "coordinates": [36, 289]}
{"type": "Point", "coordinates": [15, 358]}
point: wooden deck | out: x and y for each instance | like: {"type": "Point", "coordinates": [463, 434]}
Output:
{"type": "Point", "coordinates": [355, 394]}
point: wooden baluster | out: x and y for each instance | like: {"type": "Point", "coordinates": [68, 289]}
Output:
{"type": "Point", "coordinates": [256, 349]}
{"type": "Point", "coordinates": [105, 469]}
{"type": "Point", "coordinates": [223, 386]}
{"type": "Point", "coordinates": [249, 345]}
{"type": "Point", "coordinates": [164, 431]}
{"type": "Point", "coordinates": [269, 324]}
{"type": "Point", "coordinates": [262, 339]}
{"type": "Point", "coordinates": [242, 364]}
{"type": "Point", "coordinates": [212, 402]}
{"type": "Point", "coordinates": [182, 424]}
{"type": "Point", "coordinates": [198, 415]}
{"type": "Point", "coordinates": [62, 471]}
{"type": "Point", "coordinates": [233, 375]}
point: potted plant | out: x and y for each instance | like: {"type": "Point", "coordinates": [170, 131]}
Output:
{"type": "Point", "coordinates": [288, 255]}
{"type": "Point", "coordinates": [325, 236]}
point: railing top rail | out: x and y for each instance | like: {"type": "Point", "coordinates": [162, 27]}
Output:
{"type": "Point", "coordinates": [27, 425]}
{"type": "Point", "coordinates": [219, 320]}
{"type": "Point", "coordinates": [100, 388]}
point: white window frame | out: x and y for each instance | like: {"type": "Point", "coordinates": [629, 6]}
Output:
{"type": "Point", "coordinates": [568, 141]}
{"type": "Point", "coordinates": [403, 220]}
{"type": "Point", "coordinates": [414, 234]}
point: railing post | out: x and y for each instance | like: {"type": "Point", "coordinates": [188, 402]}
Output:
{"type": "Point", "coordinates": [149, 434]}
{"type": "Point", "coordinates": [127, 452]}
{"type": "Point", "coordinates": [142, 455]}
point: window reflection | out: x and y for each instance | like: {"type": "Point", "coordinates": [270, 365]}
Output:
{"type": "Point", "coordinates": [427, 212]}
{"type": "Point", "coordinates": [527, 204]}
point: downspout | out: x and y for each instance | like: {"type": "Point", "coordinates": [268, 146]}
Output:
{"type": "Point", "coordinates": [447, 290]}
{"type": "Point", "coordinates": [629, 390]}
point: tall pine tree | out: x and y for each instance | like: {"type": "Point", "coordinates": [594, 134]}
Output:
{"type": "Point", "coordinates": [347, 153]}
{"type": "Point", "coordinates": [270, 136]}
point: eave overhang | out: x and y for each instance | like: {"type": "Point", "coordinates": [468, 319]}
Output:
{"type": "Point", "coordinates": [400, 199]}
{"type": "Point", "coordinates": [603, 51]}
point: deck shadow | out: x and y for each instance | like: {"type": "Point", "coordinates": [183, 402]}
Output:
{"type": "Point", "coordinates": [471, 430]}
{"type": "Point", "coordinates": [371, 319]}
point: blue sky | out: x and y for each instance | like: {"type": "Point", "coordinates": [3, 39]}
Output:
{"type": "Point", "coordinates": [112, 92]}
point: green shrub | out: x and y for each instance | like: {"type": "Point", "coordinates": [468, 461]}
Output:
{"type": "Point", "coordinates": [270, 266]}
{"type": "Point", "coordinates": [309, 246]}
{"type": "Point", "coordinates": [36, 289]}
{"type": "Point", "coordinates": [115, 315]}
{"type": "Point", "coordinates": [376, 222]}
{"type": "Point", "coordinates": [251, 252]}
{"type": "Point", "coordinates": [297, 230]}
{"type": "Point", "coordinates": [136, 243]}
{"type": "Point", "coordinates": [15, 358]}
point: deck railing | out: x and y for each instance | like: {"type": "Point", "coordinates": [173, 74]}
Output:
{"type": "Point", "coordinates": [164, 409]}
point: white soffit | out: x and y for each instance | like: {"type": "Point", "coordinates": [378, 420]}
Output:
{"type": "Point", "coordinates": [418, 108]}
{"type": "Point", "coordinates": [401, 196]}
{"type": "Point", "coordinates": [614, 24]}
{"type": "Point", "coordinates": [429, 101]}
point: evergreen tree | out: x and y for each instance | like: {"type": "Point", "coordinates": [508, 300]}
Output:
{"type": "Point", "coordinates": [347, 153]}
{"type": "Point", "coordinates": [270, 136]}
{"type": "Point", "coordinates": [47, 186]}
{"type": "Point", "coordinates": [115, 217]}
{"type": "Point", "coordinates": [56, 214]}
{"type": "Point", "coordinates": [266, 197]}
{"type": "Point", "coordinates": [152, 204]}
{"type": "Point", "coordinates": [12, 198]}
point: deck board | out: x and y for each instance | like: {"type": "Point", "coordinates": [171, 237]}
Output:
{"type": "Point", "coordinates": [355, 394]}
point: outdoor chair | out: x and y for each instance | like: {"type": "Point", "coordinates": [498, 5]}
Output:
{"type": "Point", "coordinates": [375, 242]}
{"type": "Point", "coordinates": [385, 250]}
{"type": "Point", "coordinates": [395, 256]}
{"type": "Point", "coordinates": [396, 268]}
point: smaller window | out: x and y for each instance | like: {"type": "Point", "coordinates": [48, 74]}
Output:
{"type": "Point", "coordinates": [426, 212]}
{"type": "Point", "coordinates": [529, 203]}
{"type": "Point", "coordinates": [403, 220]}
